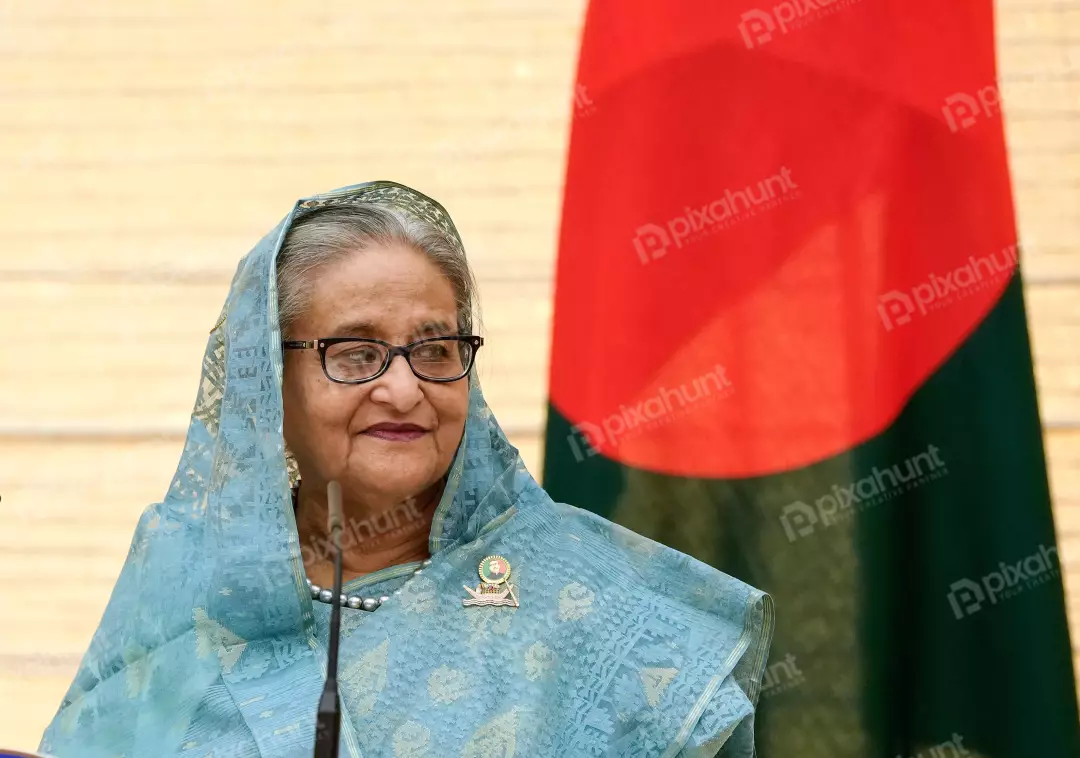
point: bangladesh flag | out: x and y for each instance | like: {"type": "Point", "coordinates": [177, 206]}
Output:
{"type": "Point", "coordinates": [790, 340]}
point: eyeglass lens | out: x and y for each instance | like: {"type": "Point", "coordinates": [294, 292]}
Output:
{"type": "Point", "coordinates": [437, 359]}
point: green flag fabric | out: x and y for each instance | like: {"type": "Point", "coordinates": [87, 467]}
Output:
{"type": "Point", "coordinates": [790, 340]}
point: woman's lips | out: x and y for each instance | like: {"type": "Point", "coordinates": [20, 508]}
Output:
{"type": "Point", "coordinates": [396, 432]}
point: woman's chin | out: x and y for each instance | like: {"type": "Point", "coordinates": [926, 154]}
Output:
{"type": "Point", "coordinates": [394, 472]}
{"type": "Point", "coordinates": [395, 485]}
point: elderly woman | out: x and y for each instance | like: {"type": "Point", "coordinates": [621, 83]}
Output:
{"type": "Point", "coordinates": [480, 618]}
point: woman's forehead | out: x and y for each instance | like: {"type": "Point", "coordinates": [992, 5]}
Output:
{"type": "Point", "coordinates": [381, 329]}
{"type": "Point", "coordinates": [381, 293]}
{"type": "Point", "coordinates": [381, 319]}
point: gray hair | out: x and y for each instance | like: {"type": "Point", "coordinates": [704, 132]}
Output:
{"type": "Point", "coordinates": [331, 233]}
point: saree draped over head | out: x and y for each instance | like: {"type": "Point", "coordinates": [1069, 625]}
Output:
{"type": "Point", "coordinates": [211, 646]}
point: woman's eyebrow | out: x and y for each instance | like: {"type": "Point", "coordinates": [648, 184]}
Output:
{"type": "Point", "coordinates": [356, 329]}
{"type": "Point", "coordinates": [438, 328]}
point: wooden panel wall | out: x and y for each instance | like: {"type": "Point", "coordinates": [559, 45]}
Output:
{"type": "Point", "coordinates": [146, 145]}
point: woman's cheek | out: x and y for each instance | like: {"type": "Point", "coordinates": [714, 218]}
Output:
{"type": "Point", "coordinates": [451, 407]}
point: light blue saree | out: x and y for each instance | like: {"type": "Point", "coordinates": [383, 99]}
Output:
{"type": "Point", "coordinates": [211, 646]}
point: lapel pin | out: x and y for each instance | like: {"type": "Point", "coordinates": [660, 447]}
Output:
{"type": "Point", "coordinates": [495, 587]}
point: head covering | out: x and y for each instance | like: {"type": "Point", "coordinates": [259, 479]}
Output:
{"type": "Point", "coordinates": [210, 644]}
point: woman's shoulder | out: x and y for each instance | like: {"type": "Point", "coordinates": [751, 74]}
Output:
{"type": "Point", "coordinates": [684, 644]}
{"type": "Point", "coordinates": [646, 571]}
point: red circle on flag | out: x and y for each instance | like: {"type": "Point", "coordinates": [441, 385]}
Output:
{"type": "Point", "coordinates": [761, 261]}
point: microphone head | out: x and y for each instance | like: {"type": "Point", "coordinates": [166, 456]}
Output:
{"type": "Point", "coordinates": [333, 502]}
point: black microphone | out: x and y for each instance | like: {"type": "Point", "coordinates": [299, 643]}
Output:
{"type": "Point", "coordinates": [328, 721]}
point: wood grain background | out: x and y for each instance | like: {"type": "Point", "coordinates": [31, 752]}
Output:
{"type": "Point", "coordinates": [146, 145]}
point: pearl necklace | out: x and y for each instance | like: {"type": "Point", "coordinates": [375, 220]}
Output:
{"type": "Point", "coordinates": [357, 602]}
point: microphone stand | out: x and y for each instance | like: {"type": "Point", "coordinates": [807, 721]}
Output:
{"type": "Point", "coordinates": [328, 721]}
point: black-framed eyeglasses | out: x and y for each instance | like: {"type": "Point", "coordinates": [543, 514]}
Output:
{"type": "Point", "coordinates": [354, 360]}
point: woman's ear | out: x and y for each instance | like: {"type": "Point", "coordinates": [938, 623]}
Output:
{"type": "Point", "coordinates": [292, 467]}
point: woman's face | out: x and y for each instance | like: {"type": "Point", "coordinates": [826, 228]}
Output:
{"type": "Point", "coordinates": [398, 295]}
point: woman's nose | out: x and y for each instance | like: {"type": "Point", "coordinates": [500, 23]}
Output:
{"type": "Point", "coordinates": [398, 386]}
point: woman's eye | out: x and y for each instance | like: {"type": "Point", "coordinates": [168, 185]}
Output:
{"type": "Point", "coordinates": [363, 355]}
{"type": "Point", "coordinates": [433, 352]}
